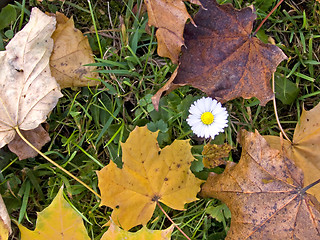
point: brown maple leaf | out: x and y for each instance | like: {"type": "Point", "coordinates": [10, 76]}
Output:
{"type": "Point", "coordinates": [264, 194]}
{"type": "Point", "coordinates": [304, 147]}
{"type": "Point", "coordinates": [169, 16]}
{"type": "Point", "coordinates": [71, 51]}
{"type": "Point", "coordinates": [222, 58]}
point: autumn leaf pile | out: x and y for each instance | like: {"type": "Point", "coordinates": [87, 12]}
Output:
{"type": "Point", "coordinates": [272, 192]}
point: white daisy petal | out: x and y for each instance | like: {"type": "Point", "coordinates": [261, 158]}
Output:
{"type": "Point", "coordinates": [194, 110]}
{"type": "Point", "coordinates": [208, 103]}
{"type": "Point", "coordinates": [206, 127]}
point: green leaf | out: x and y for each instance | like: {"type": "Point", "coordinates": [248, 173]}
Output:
{"type": "Point", "coordinates": [219, 212]}
{"type": "Point", "coordinates": [9, 34]}
{"type": "Point", "coordinates": [158, 125]}
{"type": "Point", "coordinates": [286, 91]}
{"type": "Point", "coordinates": [7, 16]}
{"type": "Point", "coordinates": [264, 5]}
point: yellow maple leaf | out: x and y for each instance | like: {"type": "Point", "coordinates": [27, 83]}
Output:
{"type": "Point", "coordinates": [304, 148]}
{"type": "Point", "coordinates": [59, 221]}
{"type": "Point", "coordinates": [148, 175]}
{"type": "Point", "coordinates": [116, 233]}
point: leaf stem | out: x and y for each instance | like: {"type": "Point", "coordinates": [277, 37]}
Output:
{"type": "Point", "coordinates": [265, 19]}
{"type": "Point", "coordinates": [303, 190]}
{"type": "Point", "coordinates": [55, 164]}
{"type": "Point", "coordinates": [276, 112]}
{"type": "Point", "coordinates": [172, 221]}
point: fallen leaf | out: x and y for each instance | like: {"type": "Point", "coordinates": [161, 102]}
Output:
{"type": "Point", "coordinates": [264, 194]}
{"type": "Point", "coordinates": [38, 137]}
{"type": "Point", "coordinates": [304, 148]}
{"type": "Point", "coordinates": [116, 233]}
{"type": "Point", "coordinates": [5, 221]}
{"type": "Point", "coordinates": [28, 92]}
{"type": "Point", "coordinates": [70, 52]}
{"type": "Point", "coordinates": [168, 87]}
{"type": "Point", "coordinates": [213, 155]}
{"type": "Point", "coordinates": [58, 221]}
{"type": "Point", "coordinates": [169, 16]}
{"type": "Point", "coordinates": [149, 174]}
{"type": "Point", "coordinates": [221, 57]}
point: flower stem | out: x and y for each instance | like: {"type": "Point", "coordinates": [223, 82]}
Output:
{"type": "Point", "coordinates": [172, 221]}
{"type": "Point", "coordinates": [55, 164]}
{"type": "Point", "coordinates": [265, 19]}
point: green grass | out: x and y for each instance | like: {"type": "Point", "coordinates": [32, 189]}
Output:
{"type": "Point", "coordinates": [88, 124]}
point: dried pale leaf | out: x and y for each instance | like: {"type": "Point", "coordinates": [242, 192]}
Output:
{"type": "Point", "coordinates": [71, 51]}
{"type": "Point", "coordinates": [149, 174]}
{"type": "Point", "coordinates": [214, 155]}
{"type": "Point", "coordinates": [264, 194]}
{"type": "Point", "coordinates": [304, 150]}
{"type": "Point", "coordinates": [116, 233]}
{"type": "Point", "coordinates": [169, 16]}
{"type": "Point", "coordinates": [59, 221]}
{"type": "Point", "coordinates": [221, 57]}
{"type": "Point", "coordinates": [5, 221]}
{"type": "Point", "coordinates": [38, 137]}
{"type": "Point", "coordinates": [28, 92]}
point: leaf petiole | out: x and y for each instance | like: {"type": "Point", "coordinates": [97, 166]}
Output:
{"type": "Point", "coordinates": [54, 163]}
{"type": "Point", "coordinates": [303, 190]}
{"type": "Point", "coordinates": [265, 19]}
{"type": "Point", "coordinates": [158, 204]}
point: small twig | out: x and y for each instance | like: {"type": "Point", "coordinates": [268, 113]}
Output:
{"type": "Point", "coordinates": [172, 221]}
{"type": "Point", "coordinates": [265, 19]}
{"type": "Point", "coordinates": [54, 163]}
{"type": "Point", "coordinates": [276, 112]}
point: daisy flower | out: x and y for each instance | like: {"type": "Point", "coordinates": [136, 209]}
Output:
{"type": "Point", "coordinates": [207, 117]}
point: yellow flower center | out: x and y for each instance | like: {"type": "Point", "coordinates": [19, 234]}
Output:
{"type": "Point", "coordinates": [207, 118]}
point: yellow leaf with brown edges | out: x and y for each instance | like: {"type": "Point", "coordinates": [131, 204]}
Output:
{"type": "Point", "coordinates": [169, 16]}
{"type": "Point", "coordinates": [59, 221]}
{"type": "Point", "coordinates": [265, 195]}
{"type": "Point", "coordinates": [304, 150]}
{"type": "Point", "coordinates": [71, 51]}
{"type": "Point", "coordinates": [116, 233]}
{"type": "Point", "coordinates": [149, 174]}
